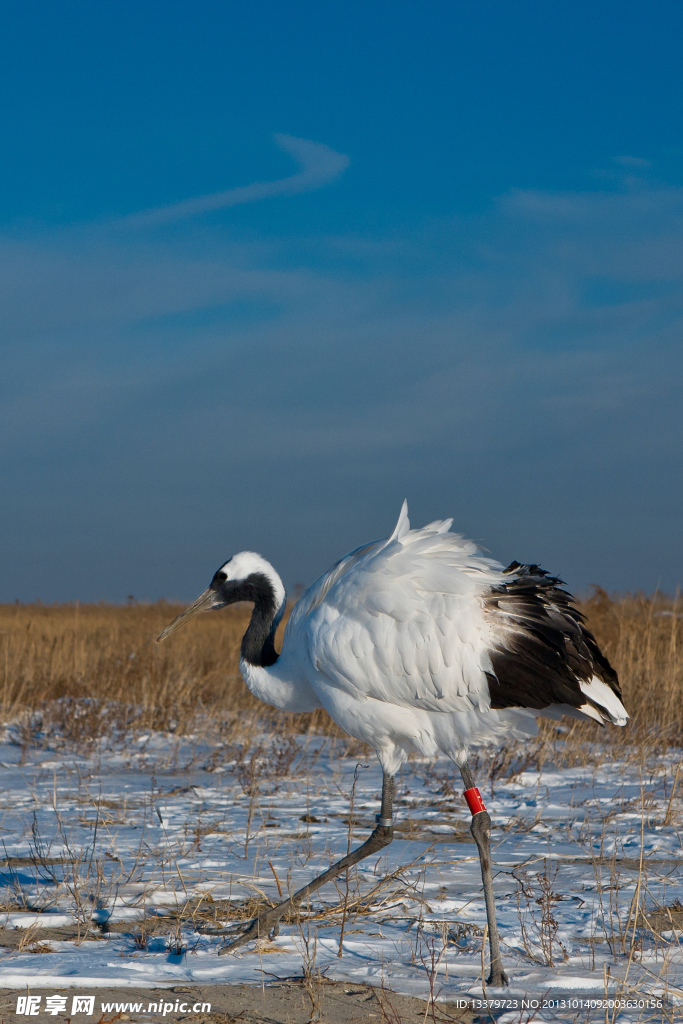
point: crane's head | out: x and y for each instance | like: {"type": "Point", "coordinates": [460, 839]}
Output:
{"type": "Point", "coordinates": [244, 577]}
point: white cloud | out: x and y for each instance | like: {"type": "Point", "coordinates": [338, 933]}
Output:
{"type": "Point", "coordinates": [319, 165]}
{"type": "Point", "coordinates": [632, 161]}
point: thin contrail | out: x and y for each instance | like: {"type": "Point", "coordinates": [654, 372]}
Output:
{"type": "Point", "coordinates": [319, 165]}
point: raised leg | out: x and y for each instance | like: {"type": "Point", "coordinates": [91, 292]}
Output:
{"type": "Point", "coordinates": [481, 830]}
{"type": "Point", "coordinates": [379, 838]}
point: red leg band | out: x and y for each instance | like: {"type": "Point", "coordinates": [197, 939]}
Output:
{"type": "Point", "coordinates": [474, 800]}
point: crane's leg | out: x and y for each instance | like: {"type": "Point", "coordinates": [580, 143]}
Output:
{"type": "Point", "coordinates": [378, 839]}
{"type": "Point", "coordinates": [481, 830]}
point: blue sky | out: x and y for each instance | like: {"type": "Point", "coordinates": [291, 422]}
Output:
{"type": "Point", "coordinates": [266, 269]}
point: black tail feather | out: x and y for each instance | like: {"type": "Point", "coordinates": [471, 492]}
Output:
{"type": "Point", "coordinates": [543, 649]}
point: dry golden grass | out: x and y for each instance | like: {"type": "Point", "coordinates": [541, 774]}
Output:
{"type": "Point", "coordinates": [79, 672]}
{"type": "Point", "coordinates": [83, 671]}
{"type": "Point", "coordinates": [642, 638]}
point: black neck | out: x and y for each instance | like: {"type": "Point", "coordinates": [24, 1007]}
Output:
{"type": "Point", "coordinates": [258, 643]}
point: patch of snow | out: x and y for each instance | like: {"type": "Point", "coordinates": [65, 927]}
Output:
{"type": "Point", "coordinates": [417, 911]}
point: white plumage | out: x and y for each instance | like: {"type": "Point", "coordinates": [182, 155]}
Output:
{"type": "Point", "coordinates": [394, 642]}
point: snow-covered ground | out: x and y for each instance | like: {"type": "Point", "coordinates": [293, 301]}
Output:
{"type": "Point", "coordinates": [167, 836]}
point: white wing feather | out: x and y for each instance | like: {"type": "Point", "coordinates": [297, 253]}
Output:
{"type": "Point", "coordinates": [398, 620]}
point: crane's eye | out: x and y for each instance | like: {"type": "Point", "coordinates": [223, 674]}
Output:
{"type": "Point", "coordinates": [220, 577]}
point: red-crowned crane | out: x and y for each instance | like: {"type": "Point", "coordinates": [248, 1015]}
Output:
{"type": "Point", "coordinates": [418, 643]}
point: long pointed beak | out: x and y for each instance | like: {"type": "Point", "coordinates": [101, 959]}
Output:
{"type": "Point", "coordinates": [203, 603]}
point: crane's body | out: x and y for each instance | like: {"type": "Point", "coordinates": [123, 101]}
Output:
{"type": "Point", "coordinates": [421, 643]}
{"type": "Point", "coordinates": [398, 643]}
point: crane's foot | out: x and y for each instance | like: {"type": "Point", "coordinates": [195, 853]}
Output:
{"type": "Point", "coordinates": [260, 927]}
{"type": "Point", "coordinates": [497, 979]}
